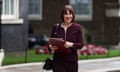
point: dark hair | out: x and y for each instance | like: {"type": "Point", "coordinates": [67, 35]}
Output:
{"type": "Point", "coordinates": [65, 9]}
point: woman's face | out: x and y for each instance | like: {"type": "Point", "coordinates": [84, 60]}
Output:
{"type": "Point", "coordinates": [68, 17]}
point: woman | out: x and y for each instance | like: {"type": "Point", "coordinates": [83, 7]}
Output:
{"type": "Point", "coordinates": [72, 34]}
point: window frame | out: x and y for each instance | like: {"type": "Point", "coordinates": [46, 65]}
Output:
{"type": "Point", "coordinates": [37, 16]}
{"type": "Point", "coordinates": [119, 8]}
{"type": "Point", "coordinates": [112, 11]}
{"type": "Point", "coordinates": [85, 17]}
{"type": "Point", "coordinates": [12, 19]}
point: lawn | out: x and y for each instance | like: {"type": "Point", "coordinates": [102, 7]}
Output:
{"type": "Point", "coordinates": [32, 57]}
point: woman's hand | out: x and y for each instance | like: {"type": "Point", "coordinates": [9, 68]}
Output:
{"type": "Point", "coordinates": [68, 44]}
{"type": "Point", "coordinates": [53, 48]}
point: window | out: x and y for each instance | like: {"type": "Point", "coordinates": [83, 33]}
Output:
{"type": "Point", "coordinates": [35, 9]}
{"type": "Point", "coordinates": [0, 7]}
{"type": "Point", "coordinates": [119, 7]}
{"type": "Point", "coordinates": [112, 9]}
{"type": "Point", "coordinates": [112, 12]}
{"type": "Point", "coordinates": [83, 9]}
{"type": "Point", "coordinates": [10, 12]}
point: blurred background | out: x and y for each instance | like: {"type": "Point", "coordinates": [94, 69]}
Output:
{"type": "Point", "coordinates": [26, 25]}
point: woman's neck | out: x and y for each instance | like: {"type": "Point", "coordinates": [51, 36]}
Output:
{"type": "Point", "coordinates": [67, 24]}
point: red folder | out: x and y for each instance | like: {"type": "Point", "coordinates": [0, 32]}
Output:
{"type": "Point", "coordinates": [59, 42]}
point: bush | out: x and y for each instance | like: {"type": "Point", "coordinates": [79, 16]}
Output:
{"type": "Point", "coordinates": [86, 35]}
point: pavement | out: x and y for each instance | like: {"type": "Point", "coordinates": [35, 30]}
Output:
{"type": "Point", "coordinates": [93, 65]}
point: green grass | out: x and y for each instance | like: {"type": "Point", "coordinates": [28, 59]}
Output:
{"type": "Point", "coordinates": [111, 53]}
{"type": "Point", "coordinates": [32, 57]}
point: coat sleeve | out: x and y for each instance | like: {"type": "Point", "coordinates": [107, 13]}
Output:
{"type": "Point", "coordinates": [79, 43]}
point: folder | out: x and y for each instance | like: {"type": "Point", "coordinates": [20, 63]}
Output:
{"type": "Point", "coordinates": [59, 42]}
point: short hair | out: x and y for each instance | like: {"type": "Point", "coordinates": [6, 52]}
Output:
{"type": "Point", "coordinates": [65, 9]}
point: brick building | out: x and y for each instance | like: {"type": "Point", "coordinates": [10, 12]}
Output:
{"type": "Point", "coordinates": [101, 18]}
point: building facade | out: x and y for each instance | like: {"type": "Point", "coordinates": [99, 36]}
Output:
{"type": "Point", "coordinates": [14, 25]}
{"type": "Point", "coordinates": [101, 18]}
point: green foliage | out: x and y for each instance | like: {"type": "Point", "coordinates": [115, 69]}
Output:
{"type": "Point", "coordinates": [85, 34]}
{"type": "Point", "coordinates": [32, 57]}
{"type": "Point", "coordinates": [111, 53]}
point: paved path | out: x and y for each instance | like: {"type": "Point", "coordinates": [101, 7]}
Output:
{"type": "Point", "coordinates": [99, 65]}
{"type": "Point", "coordinates": [96, 65]}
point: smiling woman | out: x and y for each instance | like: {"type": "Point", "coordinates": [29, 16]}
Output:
{"type": "Point", "coordinates": [71, 33]}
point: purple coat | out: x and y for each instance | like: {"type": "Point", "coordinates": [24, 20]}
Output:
{"type": "Point", "coordinates": [73, 34]}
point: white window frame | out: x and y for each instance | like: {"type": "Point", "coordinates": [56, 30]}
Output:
{"type": "Point", "coordinates": [85, 17]}
{"type": "Point", "coordinates": [112, 12]}
{"type": "Point", "coordinates": [12, 19]}
{"type": "Point", "coordinates": [119, 8]}
{"type": "Point", "coordinates": [37, 16]}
